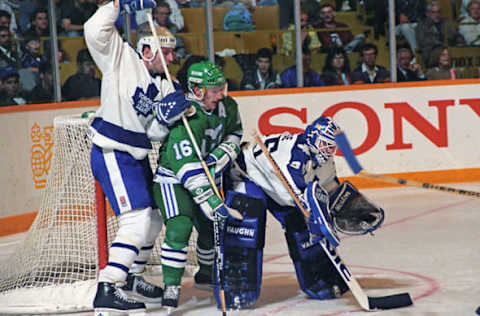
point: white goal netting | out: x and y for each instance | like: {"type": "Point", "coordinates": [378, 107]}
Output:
{"type": "Point", "coordinates": [55, 268]}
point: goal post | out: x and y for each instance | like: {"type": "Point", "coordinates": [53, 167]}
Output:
{"type": "Point", "coordinates": [54, 269]}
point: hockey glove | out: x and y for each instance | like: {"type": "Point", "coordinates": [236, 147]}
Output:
{"type": "Point", "coordinates": [131, 6]}
{"type": "Point", "coordinates": [210, 204]}
{"type": "Point", "coordinates": [170, 108]}
{"type": "Point", "coordinates": [221, 157]}
{"type": "Point", "coordinates": [353, 213]}
{"type": "Point", "coordinates": [320, 222]}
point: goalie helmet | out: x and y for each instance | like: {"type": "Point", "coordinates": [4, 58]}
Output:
{"type": "Point", "coordinates": [146, 38]}
{"type": "Point", "coordinates": [320, 137]}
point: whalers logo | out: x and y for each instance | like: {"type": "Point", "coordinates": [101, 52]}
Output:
{"type": "Point", "coordinates": [40, 154]}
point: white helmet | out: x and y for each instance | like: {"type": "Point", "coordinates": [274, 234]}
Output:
{"type": "Point", "coordinates": [145, 37]}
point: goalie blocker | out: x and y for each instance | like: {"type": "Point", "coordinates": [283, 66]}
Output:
{"type": "Point", "coordinates": [243, 251]}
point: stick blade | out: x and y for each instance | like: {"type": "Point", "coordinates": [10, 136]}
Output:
{"type": "Point", "coordinates": [390, 301]}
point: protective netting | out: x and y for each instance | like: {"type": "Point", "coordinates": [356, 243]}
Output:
{"type": "Point", "coordinates": [57, 262]}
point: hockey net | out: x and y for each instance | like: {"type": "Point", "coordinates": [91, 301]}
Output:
{"type": "Point", "coordinates": [54, 269]}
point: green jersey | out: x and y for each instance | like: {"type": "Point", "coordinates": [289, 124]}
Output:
{"type": "Point", "coordinates": [178, 162]}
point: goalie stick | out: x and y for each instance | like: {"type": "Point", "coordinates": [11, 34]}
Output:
{"type": "Point", "coordinates": [344, 145]}
{"type": "Point", "coordinates": [216, 224]}
{"type": "Point", "coordinates": [366, 302]}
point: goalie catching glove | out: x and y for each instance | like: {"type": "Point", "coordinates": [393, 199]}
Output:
{"type": "Point", "coordinates": [352, 213]}
{"type": "Point", "coordinates": [221, 157]}
{"type": "Point", "coordinates": [210, 204]}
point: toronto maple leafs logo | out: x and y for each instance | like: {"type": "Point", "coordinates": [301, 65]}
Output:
{"type": "Point", "coordinates": [143, 101]}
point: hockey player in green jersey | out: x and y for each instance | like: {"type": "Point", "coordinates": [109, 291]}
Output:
{"type": "Point", "coordinates": [181, 188]}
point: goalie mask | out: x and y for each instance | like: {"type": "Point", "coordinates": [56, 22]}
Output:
{"type": "Point", "coordinates": [146, 38]}
{"type": "Point", "coordinates": [320, 137]}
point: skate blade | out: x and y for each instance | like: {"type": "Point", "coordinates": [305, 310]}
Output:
{"type": "Point", "coordinates": [119, 313]}
{"type": "Point", "coordinates": [170, 310]}
{"type": "Point", "coordinates": [204, 287]}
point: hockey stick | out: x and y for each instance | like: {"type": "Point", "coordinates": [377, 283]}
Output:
{"type": "Point", "coordinates": [344, 145]}
{"type": "Point", "coordinates": [216, 226]}
{"type": "Point", "coordinates": [366, 302]}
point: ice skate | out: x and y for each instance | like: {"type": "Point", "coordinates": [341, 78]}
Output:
{"type": "Point", "coordinates": [111, 300]}
{"type": "Point", "coordinates": [203, 281]}
{"type": "Point", "coordinates": [138, 288]}
{"type": "Point", "coordinates": [171, 295]}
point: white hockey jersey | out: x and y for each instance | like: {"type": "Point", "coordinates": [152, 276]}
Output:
{"type": "Point", "coordinates": [125, 120]}
{"type": "Point", "coordinates": [291, 154]}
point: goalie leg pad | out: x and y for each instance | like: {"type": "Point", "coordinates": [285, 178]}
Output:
{"type": "Point", "coordinates": [352, 213]}
{"type": "Point", "coordinates": [314, 270]}
{"type": "Point", "coordinates": [243, 251]}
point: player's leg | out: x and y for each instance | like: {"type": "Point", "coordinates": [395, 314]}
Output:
{"type": "Point", "coordinates": [177, 209]}
{"type": "Point", "coordinates": [136, 285]}
{"type": "Point", "coordinates": [204, 278]}
{"type": "Point", "coordinates": [125, 182]}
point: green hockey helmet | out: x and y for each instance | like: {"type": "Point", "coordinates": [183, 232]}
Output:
{"type": "Point", "coordinates": [205, 74]}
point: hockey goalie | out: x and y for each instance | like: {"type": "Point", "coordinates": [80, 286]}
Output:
{"type": "Point", "coordinates": [307, 161]}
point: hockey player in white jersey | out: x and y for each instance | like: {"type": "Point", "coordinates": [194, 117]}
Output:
{"type": "Point", "coordinates": [137, 106]}
{"type": "Point", "coordinates": [307, 161]}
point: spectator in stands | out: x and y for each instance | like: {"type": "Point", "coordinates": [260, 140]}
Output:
{"type": "Point", "coordinates": [406, 69]}
{"type": "Point", "coordinates": [73, 14]}
{"type": "Point", "coordinates": [175, 17]}
{"type": "Point", "coordinates": [309, 37]}
{"type": "Point", "coordinates": [9, 7]}
{"type": "Point", "coordinates": [311, 78]}
{"type": "Point", "coordinates": [84, 84]}
{"type": "Point", "coordinates": [409, 13]}
{"type": "Point", "coordinates": [263, 76]}
{"type": "Point", "coordinates": [439, 66]}
{"type": "Point", "coordinates": [25, 12]}
{"type": "Point", "coordinates": [30, 63]}
{"type": "Point", "coordinates": [369, 71]}
{"type": "Point", "coordinates": [5, 18]}
{"type": "Point", "coordinates": [161, 17]}
{"type": "Point", "coordinates": [31, 57]}
{"type": "Point", "coordinates": [343, 38]}
{"type": "Point", "coordinates": [470, 26]}
{"type": "Point", "coordinates": [430, 32]}
{"type": "Point", "coordinates": [43, 91]}
{"type": "Point", "coordinates": [11, 90]}
{"type": "Point", "coordinates": [220, 62]}
{"type": "Point", "coordinates": [8, 49]}
{"type": "Point", "coordinates": [336, 70]}
{"type": "Point", "coordinates": [39, 24]}
{"type": "Point", "coordinates": [239, 17]}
